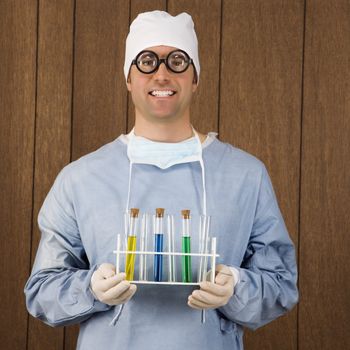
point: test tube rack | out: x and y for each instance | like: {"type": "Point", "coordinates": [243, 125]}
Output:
{"type": "Point", "coordinates": [212, 256]}
{"type": "Point", "coordinates": [123, 252]}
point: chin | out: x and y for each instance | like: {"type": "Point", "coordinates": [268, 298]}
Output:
{"type": "Point", "coordinates": [163, 116]}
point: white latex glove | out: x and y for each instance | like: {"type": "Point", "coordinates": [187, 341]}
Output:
{"type": "Point", "coordinates": [111, 288]}
{"type": "Point", "coordinates": [213, 295]}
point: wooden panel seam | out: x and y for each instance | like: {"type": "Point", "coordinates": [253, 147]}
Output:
{"type": "Point", "coordinates": [32, 221]}
{"type": "Point", "coordinates": [300, 164]}
{"type": "Point", "coordinates": [220, 66]}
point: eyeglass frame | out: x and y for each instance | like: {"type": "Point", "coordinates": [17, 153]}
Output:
{"type": "Point", "coordinates": [163, 60]}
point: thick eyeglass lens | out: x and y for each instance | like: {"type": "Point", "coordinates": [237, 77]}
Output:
{"type": "Point", "coordinates": [147, 62]}
{"type": "Point", "coordinates": [178, 61]}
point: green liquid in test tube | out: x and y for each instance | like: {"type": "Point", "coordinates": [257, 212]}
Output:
{"type": "Point", "coordinates": [186, 247]}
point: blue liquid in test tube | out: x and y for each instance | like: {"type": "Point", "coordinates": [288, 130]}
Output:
{"type": "Point", "coordinates": [158, 259]}
{"type": "Point", "coordinates": [158, 245]}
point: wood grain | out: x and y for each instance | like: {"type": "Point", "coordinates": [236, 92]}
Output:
{"type": "Point", "coordinates": [18, 36]}
{"type": "Point", "coordinates": [53, 127]}
{"type": "Point", "coordinates": [253, 90]}
{"type": "Point", "coordinates": [260, 103]}
{"type": "Point", "coordinates": [100, 95]}
{"type": "Point", "coordinates": [325, 244]}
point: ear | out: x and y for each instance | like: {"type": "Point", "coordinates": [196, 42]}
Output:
{"type": "Point", "coordinates": [195, 80]}
{"type": "Point", "coordinates": [128, 83]}
{"type": "Point", "coordinates": [194, 84]}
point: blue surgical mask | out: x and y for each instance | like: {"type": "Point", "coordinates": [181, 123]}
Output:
{"type": "Point", "coordinates": [163, 154]}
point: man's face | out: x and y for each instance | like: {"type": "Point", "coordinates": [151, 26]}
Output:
{"type": "Point", "coordinates": [161, 107]}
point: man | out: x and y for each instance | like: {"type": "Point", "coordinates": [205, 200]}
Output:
{"type": "Point", "coordinates": [165, 163]}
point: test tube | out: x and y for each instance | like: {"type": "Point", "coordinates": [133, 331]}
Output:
{"type": "Point", "coordinates": [143, 247]}
{"type": "Point", "coordinates": [186, 247]}
{"type": "Point", "coordinates": [204, 226]}
{"type": "Point", "coordinates": [117, 263]}
{"type": "Point", "coordinates": [206, 248]}
{"type": "Point", "coordinates": [130, 258]}
{"type": "Point", "coordinates": [158, 244]}
{"type": "Point", "coordinates": [171, 249]}
{"type": "Point", "coordinates": [173, 246]}
{"type": "Point", "coordinates": [204, 238]}
{"type": "Point", "coordinates": [213, 259]}
{"type": "Point", "coordinates": [126, 228]}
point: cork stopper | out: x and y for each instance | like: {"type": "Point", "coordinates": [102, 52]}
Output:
{"type": "Point", "coordinates": [134, 212]}
{"type": "Point", "coordinates": [185, 213]}
{"type": "Point", "coordinates": [159, 212]}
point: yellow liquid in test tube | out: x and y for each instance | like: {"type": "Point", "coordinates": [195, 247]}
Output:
{"type": "Point", "coordinates": [130, 259]}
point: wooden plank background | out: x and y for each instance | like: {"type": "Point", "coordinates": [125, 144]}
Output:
{"type": "Point", "coordinates": [18, 44]}
{"type": "Point", "coordinates": [274, 81]}
{"type": "Point", "coordinates": [260, 101]}
{"type": "Point", "coordinates": [325, 181]}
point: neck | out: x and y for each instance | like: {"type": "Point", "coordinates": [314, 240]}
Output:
{"type": "Point", "coordinates": [163, 132]}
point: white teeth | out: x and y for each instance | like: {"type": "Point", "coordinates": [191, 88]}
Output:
{"type": "Point", "coordinates": [160, 93]}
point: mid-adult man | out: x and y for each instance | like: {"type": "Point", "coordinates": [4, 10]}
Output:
{"type": "Point", "coordinates": [162, 162]}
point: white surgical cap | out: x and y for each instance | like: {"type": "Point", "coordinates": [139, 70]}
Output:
{"type": "Point", "coordinates": [157, 28]}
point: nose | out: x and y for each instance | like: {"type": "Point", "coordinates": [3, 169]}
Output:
{"type": "Point", "coordinates": [162, 74]}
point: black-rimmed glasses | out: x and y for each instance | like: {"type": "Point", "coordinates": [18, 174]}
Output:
{"type": "Point", "coordinates": [148, 62]}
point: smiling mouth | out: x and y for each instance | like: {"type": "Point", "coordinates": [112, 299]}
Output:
{"type": "Point", "coordinates": [162, 93]}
